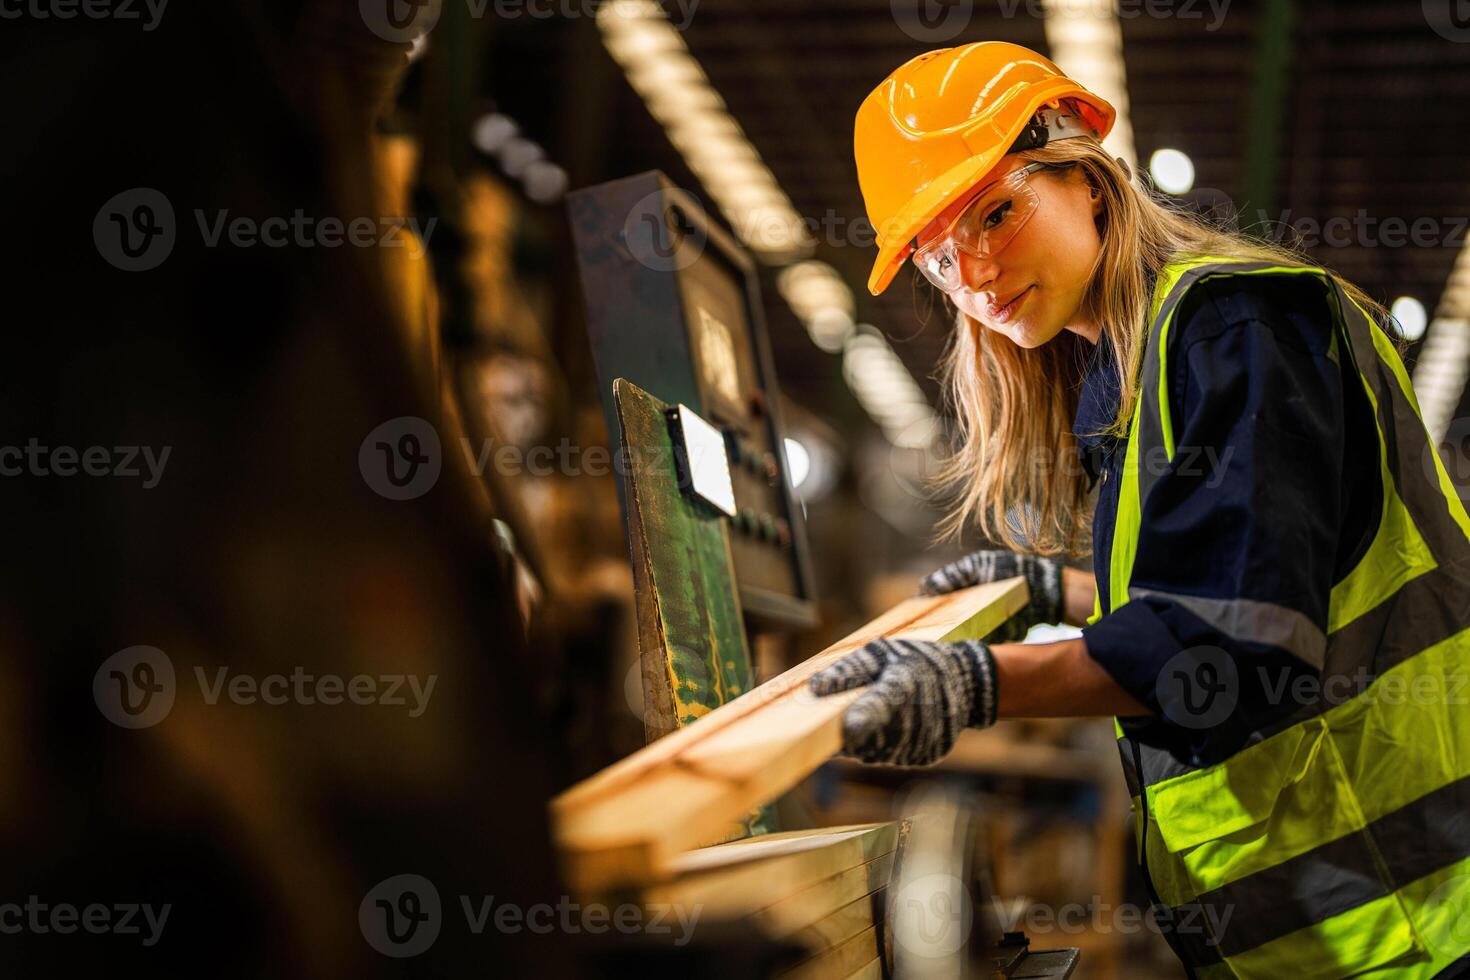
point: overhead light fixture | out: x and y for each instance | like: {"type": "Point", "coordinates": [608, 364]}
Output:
{"type": "Point", "coordinates": [516, 154]}
{"type": "Point", "coordinates": [1086, 41]}
{"type": "Point", "coordinates": [821, 300]}
{"type": "Point", "coordinates": [679, 95]}
{"type": "Point", "coordinates": [497, 135]}
{"type": "Point", "coordinates": [887, 391]}
{"type": "Point", "coordinates": [1443, 366]}
{"type": "Point", "coordinates": [661, 69]}
{"type": "Point", "coordinates": [545, 182]}
{"type": "Point", "coordinates": [798, 462]}
{"type": "Point", "coordinates": [1172, 171]}
{"type": "Point", "coordinates": [492, 131]}
{"type": "Point", "coordinates": [1410, 316]}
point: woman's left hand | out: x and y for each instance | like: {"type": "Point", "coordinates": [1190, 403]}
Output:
{"type": "Point", "coordinates": [923, 695]}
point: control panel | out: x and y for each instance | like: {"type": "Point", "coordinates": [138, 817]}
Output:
{"type": "Point", "coordinates": [673, 305]}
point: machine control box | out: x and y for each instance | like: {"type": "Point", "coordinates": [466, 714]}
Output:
{"type": "Point", "coordinates": [673, 305]}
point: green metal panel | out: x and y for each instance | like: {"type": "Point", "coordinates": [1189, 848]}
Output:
{"type": "Point", "coordinates": [1270, 82]}
{"type": "Point", "coordinates": [690, 632]}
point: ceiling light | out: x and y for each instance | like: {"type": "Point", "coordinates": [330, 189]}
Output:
{"type": "Point", "coordinates": [1172, 171]}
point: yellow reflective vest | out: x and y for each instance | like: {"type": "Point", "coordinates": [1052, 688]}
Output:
{"type": "Point", "coordinates": [1335, 843]}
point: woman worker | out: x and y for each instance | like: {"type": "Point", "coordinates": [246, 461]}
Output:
{"type": "Point", "coordinates": [1280, 606]}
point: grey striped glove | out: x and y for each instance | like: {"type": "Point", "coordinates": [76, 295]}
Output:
{"type": "Point", "coordinates": [1043, 578]}
{"type": "Point", "coordinates": [923, 694]}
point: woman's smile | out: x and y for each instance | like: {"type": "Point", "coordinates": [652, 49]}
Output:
{"type": "Point", "coordinates": [1004, 313]}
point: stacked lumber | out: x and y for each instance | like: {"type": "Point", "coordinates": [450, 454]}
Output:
{"type": "Point", "coordinates": [823, 889]}
{"type": "Point", "coordinates": [627, 825]}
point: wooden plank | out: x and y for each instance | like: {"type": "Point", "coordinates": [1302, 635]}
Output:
{"type": "Point", "coordinates": [840, 960]}
{"type": "Point", "coordinates": [625, 825]}
{"type": "Point", "coordinates": [993, 752]}
{"type": "Point", "coordinates": [810, 905]}
{"type": "Point", "coordinates": [764, 871]}
{"type": "Point", "coordinates": [877, 837]}
{"type": "Point", "coordinates": [842, 925]}
{"type": "Point", "coordinates": [966, 614]}
{"type": "Point", "coordinates": [871, 970]}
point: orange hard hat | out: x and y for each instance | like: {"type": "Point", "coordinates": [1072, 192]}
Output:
{"type": "Point", "coordinates": [939, 123]}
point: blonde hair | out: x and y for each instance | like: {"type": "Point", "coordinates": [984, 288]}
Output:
{"type": "Point", "coordinates": [1014, 473]}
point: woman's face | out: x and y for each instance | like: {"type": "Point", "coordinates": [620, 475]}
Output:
{"type": "Point", "coordinates": [1046, 265]}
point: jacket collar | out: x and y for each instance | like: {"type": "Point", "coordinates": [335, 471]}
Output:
{"type": "Point", "coordinates": [1097, 401]}
{"type": "Point", "coordinates": [1097, 405]}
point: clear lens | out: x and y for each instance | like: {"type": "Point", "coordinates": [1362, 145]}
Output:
{"type": "Point", "coordinates": [984, 227]}
{"type": "Point", "coordinates": [992, 221]}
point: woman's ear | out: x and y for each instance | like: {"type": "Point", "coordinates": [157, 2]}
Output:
{"type": "Point", "coordinates": [1094, 193]}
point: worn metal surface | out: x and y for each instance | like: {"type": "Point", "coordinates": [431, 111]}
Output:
{"type": "Point", "coordinates": [695, 634]}
{"type": "Point", "coordinates": [690, 634]}
{"type": "Point", "coordinates": [673, 306]}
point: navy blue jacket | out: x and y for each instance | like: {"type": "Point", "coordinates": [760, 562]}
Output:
{"type": "Point", "coordinates": [1265, 498]}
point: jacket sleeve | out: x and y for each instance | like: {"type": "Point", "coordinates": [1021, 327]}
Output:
{"type": "Point", "coordinates": [1239, 535]}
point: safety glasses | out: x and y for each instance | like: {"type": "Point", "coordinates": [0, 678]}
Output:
{"type": "Point", "coordinates": [984, 227]}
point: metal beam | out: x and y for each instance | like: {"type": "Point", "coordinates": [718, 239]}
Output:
{"type": "Point", "coordinates": [1263, 122]}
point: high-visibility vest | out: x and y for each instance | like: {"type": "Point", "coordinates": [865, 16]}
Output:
{"type": "Point", "coordinates": [1336, 841]}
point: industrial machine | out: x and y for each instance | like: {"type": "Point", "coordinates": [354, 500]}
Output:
{"type": "Point", "coordinates": [673, 305]}
{"type": "Point", "coordinates": [717, 543]}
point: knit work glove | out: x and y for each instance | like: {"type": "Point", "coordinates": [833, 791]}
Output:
{"type": "Point", "coordinates": [922, 695]}
{"type": "Point", "coordinates": [1043, 578]}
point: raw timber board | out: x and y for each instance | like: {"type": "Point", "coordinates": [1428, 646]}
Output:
{"type": "Point", "coordinates": [737, 879]}
{"type": "Point", "coordinates": [810, 905]}
{"type": "Point", "coordinates": [843, 924]}
{"type": "Point", "coordinates": [840, 960]}
{"type": "Point", "coordinates": [625, 825]}
{"type": "Point", "coordinates": [872, 970]}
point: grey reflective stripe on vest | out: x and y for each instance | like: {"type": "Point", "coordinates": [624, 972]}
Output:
{"type": "Point", "coordinates": [1253, 621]}
{"type": "Point", "coordinates": [1413, 619]}
{"type": "Point", "coordinates": [1408, 444]}
{"type": "Point", "coordinates": [1365, 647]}
{"type": "Point", "coordinates": [1432, 607]}
{"type": "Point", "coordinates": [1423, 835]}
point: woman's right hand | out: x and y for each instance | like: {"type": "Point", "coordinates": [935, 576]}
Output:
{"type": "Point", "coordinates": [1043, 578]}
